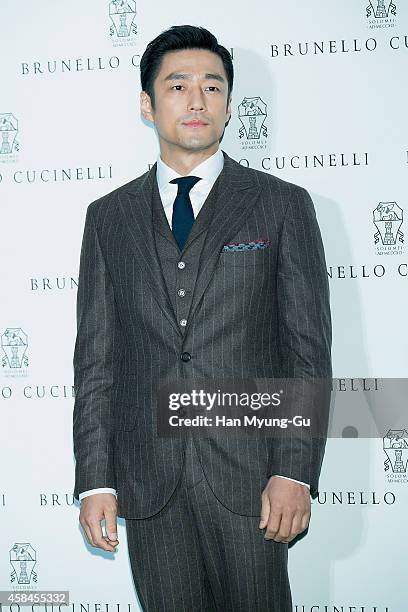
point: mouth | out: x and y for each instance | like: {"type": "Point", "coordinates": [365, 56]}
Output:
{"type": "Point", "coordinates": [195, 124]}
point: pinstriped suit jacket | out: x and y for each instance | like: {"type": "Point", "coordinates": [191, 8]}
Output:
{"type": "Point", "coordinates": [261, 313]}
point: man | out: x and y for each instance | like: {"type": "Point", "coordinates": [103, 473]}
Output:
{"type": "Point", "coordinates": [198, 268]}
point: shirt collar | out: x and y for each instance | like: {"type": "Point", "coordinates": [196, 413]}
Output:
{"type": "Point", "coordinates": [208, 170]}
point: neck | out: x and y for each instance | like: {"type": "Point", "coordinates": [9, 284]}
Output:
{"type": "Point", "coordinates": [184, 161]}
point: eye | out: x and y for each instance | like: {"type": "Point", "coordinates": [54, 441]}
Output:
{"type": "Point", "coordinates": [177, 86]}
{"type": "Point", "coordinates": [214, 87]}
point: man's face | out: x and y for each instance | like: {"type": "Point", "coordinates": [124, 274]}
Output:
{"type": "Point", "coordinates": [191, 93]}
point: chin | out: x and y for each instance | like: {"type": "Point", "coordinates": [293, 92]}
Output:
{"type": "Point", "coordinates": [199, 143]}
{"type": "Point", "coordinates": [196, 144]}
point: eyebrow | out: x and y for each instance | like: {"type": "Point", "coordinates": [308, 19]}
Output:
{"type": "Point", "coordinates": [184, 75]}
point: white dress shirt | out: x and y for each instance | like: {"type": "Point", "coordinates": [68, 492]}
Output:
{"type": "Point", "coordinates": [208, 171]}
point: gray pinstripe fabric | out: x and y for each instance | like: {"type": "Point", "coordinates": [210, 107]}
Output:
{"type": "Point", "coordinates": [196, 555]}
{"type": "Point", "coordinates": [260, 313]}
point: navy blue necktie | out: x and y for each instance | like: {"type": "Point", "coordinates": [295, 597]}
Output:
{"type": "Point", "coordinates": [183, 215]}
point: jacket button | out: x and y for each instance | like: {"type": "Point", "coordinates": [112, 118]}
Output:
{"type": "Point", "coordinates": [185, 356]}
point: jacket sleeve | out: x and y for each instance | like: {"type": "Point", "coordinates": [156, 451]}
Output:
{"type": "Point", "coordinates": [96, 349]}
{"type": "Point", "coordinates": [305, 339]}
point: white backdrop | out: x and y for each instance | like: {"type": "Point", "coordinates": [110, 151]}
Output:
{"type": "Point", "coordinates": [330, 81]}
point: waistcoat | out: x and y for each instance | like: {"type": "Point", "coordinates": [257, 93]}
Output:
{"type": "Point", "coordinates": [180, 268]}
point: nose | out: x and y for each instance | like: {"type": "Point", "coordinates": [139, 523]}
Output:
{"type": "Point", "coordinates": [196, 100]}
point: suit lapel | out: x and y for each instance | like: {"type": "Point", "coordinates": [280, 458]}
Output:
{"type": "Point", "coordinates": [230, 201]}
{"type": "Point", "coordinates": [136, 208]}
{"type": "Point", "coordinates": [237, 193]}
{"type": "Point", "coordinates": [160, 223]}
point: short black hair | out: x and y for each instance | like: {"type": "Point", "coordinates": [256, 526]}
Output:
{"type": "Point", "coordinates": [177, 38]}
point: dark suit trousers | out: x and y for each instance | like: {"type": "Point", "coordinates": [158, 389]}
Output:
{"type": "Point", "coordinates": [197, 555]}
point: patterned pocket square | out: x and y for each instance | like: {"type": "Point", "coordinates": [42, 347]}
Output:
{"type": "Point", "coordinates": [247, 245]}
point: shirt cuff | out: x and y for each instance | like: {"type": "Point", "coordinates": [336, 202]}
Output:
{"type": "Point", "coordinates": [294, 480]}
{"type": "Point", "coordinates": [94, 491]}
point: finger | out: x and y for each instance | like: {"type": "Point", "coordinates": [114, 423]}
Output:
{"type": "Point", "coordinates": [304, 523]}
{"type": "Point", "coordinates": [265, 509]}
{"type": "Point", "coordinates": [111, 525]}
{"type": "Point", "coordinates": [97, 535]}
{"type": "Point", "coordinates": [274, 521]}
{"type": "Point", "coordinates": [87, 532]}
{"type": "Point", "coordinates": [285, 528]}
{"type": "Point", "coordinates": [299, 523]}
{"type": "Point", "coordinates": [296, 528]}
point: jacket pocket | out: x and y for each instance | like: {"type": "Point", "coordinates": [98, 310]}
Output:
{"type": "Point", "coordinates": [244, 258]}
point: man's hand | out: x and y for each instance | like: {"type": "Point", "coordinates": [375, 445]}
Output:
{"type": "Point", "coordinates": [95, 508]}
{"type": "Point", "coordinates": [285, 509]}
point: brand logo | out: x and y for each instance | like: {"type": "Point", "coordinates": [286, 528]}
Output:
{"type": "Point", "coordinates": [380, 9]}
{"type": "Point", "coordinates": [123, 28]}
{"type": "Point", "coordinates": [23, 560]}
{"type": "Point", "coordinates": [381, 14]}
{"type": "Point", "coordinates": [9, 145]}
{"type": "Point", "coordinates": [352, 498]}
{"type": "Point", "coordinates": [395, 445]}
{"type": "Point", "coordinates": [388, 238]}
{"type": "Point", "coordinates": [14, 344]}
{"type": "Point", "coordinates": [252, 114]}
{"type": "Point", "coordinates": [347, 271]}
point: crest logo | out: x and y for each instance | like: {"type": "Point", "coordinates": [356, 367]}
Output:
{"type": "Point", "coordinates": [388, 218]}
{"type": "Point", "coordinates": [122, 14]}
{"type": "Point", "coordinates": [252, 114]}
{"type": "Point", "coordinates": [395, 445]}
{"type": "Point", "coordinates": [23, 559]}
{"type": "Point", "coordinates": [9, 145]}
{"type": "Point", "coordinates": [381, 9]}
{"type": "Point", "coordinates": [381, 14]}
{"type": "Point", "coordinates": [14, 344]}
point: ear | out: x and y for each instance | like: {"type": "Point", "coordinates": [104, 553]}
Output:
{"type": "Point", "coordinates": [146, 106]}
{"type": "Point", "coordinates": [229, 109]}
